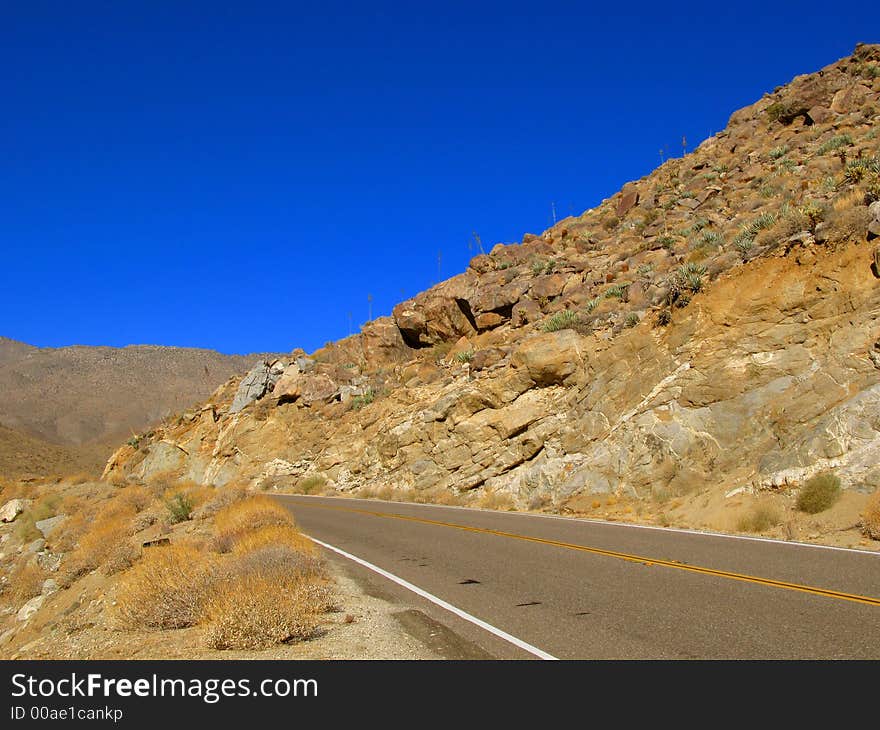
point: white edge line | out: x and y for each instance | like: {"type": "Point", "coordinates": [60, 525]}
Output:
{"type": "Point", "coordinates": [440, 602]}
{"type": "Point", "coordinates": [705, 533]}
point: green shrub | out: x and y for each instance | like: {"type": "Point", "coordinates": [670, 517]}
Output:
{"type": "Point", "coordinates": [835, 143]}
{"type": "Point", "coordinates": [179, 507]}
{"type": "Point", "coordinates": [312, 484]}
{"type": "Point", "coordinates": [666, 241]}
{"type": "Point", "coordinates": [778, 152]}
{"type": "Point", "coordinates": [566, 319]}
{"type": "Point", "coordinates": [465, 357]}
{"type": "Point", "coordinates": [818, 493]}
{"type": "Point", "coordinates": [359, 401]}
{"type": "Point", "coordinates": [711, 239]}
{"type": "Point", "coordinates": [631, 320]}
{"type": "Point", "coordinates": [618, 291]}
{"type": "Point", "coordinates": [858, 169]}
{"type": "Point", "coordinates": [593, 303]}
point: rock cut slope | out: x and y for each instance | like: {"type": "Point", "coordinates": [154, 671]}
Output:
{"type": "Point", "coordinates": [709, 330]}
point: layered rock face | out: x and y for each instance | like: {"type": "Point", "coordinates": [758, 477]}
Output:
{"type": "Point", "coordinates": [713, 325]}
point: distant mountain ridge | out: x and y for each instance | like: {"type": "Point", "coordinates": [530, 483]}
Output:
{"type": "Point", "coordinates": [82, 396]}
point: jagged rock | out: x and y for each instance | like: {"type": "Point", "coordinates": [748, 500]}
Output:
{"type": "Point", "coordinates": [48, 526]}
{"type": "Point", "coordinates": [259, 380]}
{"type": "Point", "coordinates": [13, 508]}
{"type": "Point", "coordinates": [628, 200]}
{"type": "Point", "coordinates": [35, 546]}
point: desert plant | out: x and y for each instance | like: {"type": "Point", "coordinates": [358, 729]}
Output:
{"type": "Point", "coordinates": [592, 304]}
{"type": "Point", "coordinates": [360, 401]}
{"type": "Point", "coordinates": [631, 320]}
{"type": "Point", "coordinates": [618, 291]}
{"type": "Point", "coordinates": [667, 242]}
{"type": "Point", "coordinates": [856, 170]}
{"type": "Point", "coordinates": [246, 516]}
{"type": "Point", "coordinates": [871, 516]}
{"type": "Point", "coordinates": [565, 319]}
{"type": "Point", "coordinates": [664, 317]}
{"type": "Point", "coordinates": [257, 611]}
{"type": "Point", "coordinates": [834, 143]}
{"type": "Point", "coordinates": [644, 269]}
{"type": "Point", "coordinates": [465, 357]}
{"type": "Point", "coordinates": [711, 239]}
{"type": "Point", "coordinates": [167, 589]}
{"type": "Point", "coordinates": [179, 506]}
{"type": "Point", "coordinates": [759, 519]}
{"type": "Point", "coordinates": [25, 581]}
{"type": "Point", "coordinates": [777, 152]}
{"type": "Point", "coordinates": [818, 493]}
{"type": "Point", "coordinates": [311, 484]}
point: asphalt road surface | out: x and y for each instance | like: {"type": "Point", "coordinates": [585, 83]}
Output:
{"type": "Point", "coordinates": [576, 589]}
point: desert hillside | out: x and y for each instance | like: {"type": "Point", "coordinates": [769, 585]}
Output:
{"type": "Point", "coordinates": [693, 350]}
{"type": "Point", "coordinates": [65, 409]}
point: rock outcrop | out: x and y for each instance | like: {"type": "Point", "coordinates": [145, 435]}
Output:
{"type": "Point", "coordinates": [712, 326]}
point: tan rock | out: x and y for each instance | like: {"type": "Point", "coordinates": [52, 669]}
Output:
{"type": "Point", "coordinates": [549, 358]}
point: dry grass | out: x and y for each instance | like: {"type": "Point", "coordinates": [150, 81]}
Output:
{"type": "Point", "coordinates": [760, 518]}
{"type": "Point", "coordinates": [103, 542]}
{"type": "Point", "coordinates": [495, 500]}
{"type": "Point", "coordinates": [167, 589]}
{"type": "Point", "coordinates": [273, 536]}
{"type": "Point", "coordinates": [247, 516]}
{"type": "Point", "coordinates": [220, 497]}
{"type": "Point", "coordinates": [314, 484]}
{"type": "Point", "coordinates": [256, 611]}
{"type": "Point", "coordinates": [26, 581]}
{"type": "Point", "coordinates": [871, 516]}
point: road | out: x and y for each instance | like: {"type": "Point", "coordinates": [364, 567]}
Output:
{"type": "Point", "coordinates": [577, 589]}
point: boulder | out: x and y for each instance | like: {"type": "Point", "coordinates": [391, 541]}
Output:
{"type": "Point", "coordinates": [547, 287]}
{"type": "Point", "coordinates": [30, 608]}
{"type": "Point", "coordinates": [874, 220]}
{"type": "Point", "coordinates": [524, 312]}
{"type": "Point", "coordinates": [260, 379]}
{"type": "Point", "coordinates": [48, 526]}
{"type": "Point", "coordinates": [628, 200]}
{"type": "Point", "coordinates": [483, 359]}
{"type": "Point", "coordinates": [13, 508]}
{"type": "Point", "coordinates": [488, 320]}
{"type": "Point", "coordinates": [549, 358]}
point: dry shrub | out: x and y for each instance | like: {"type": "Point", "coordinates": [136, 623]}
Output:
{"type": "Point", "coordinates": [121, 556]}
{"type": "Point", "coordinates": [255, 611]}
{"type": "Point", "coordinates": [136, 497]}
{"type": "Point", "coordinates": [446, 497]}
{"type": "Point", "coordinates": [163, 481]}
{"type": "Point", "coordinates": [871, 516]}
{"type": "Point", "coordinates": [759, 519]}
{"type": "Point", "coordinates": [219, 498]}
{"type": "Point", "coordinates": [274, 535]}
{"type": "Point", "coordinates": [24, 528]}
{"type": "Point", "coordinates": [26, 581]}
{"type": "Point", "coordinates": [247, 516]}
{"type": "Point", "coordinates": [167, 589]}
{"type": "Point", "coordinates": [111, 529]}
{"type": "Point", "coordinates": [847, 222]}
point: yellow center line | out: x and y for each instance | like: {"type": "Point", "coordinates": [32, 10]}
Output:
{"type": "Point", "coordinates": [825, 592]}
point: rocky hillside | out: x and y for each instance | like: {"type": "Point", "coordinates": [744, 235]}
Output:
{"type": "Point", "coordinates": [86, 396]}
{"type": "Point", "coordinates": [710, 331]}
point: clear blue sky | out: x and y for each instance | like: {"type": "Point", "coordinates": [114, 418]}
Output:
{"type": "Point", "coordinates": [241, 176]}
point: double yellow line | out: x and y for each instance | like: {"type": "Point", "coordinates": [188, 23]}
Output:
{"type": "Point", "coordinates": [824, 592]}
